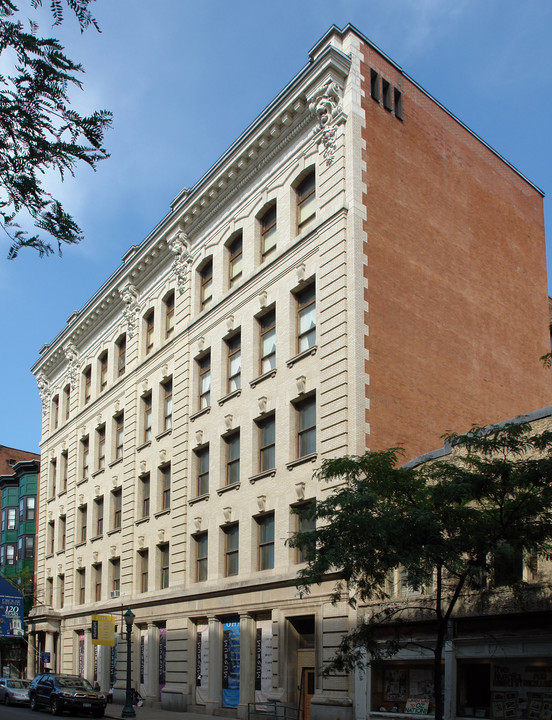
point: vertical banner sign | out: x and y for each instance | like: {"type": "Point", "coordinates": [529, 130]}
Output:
{"type": "Point", "coordinates": [202, 664]}
{"type": "Point", "coordinates": [143, 654]}
{"type": "Point", "coordinates": [162, 658]}
{"type": "Point", "coordinates": [80, 639]}
{"type": "Point", "coordinates": [113, 666]}
{"type": "Point", "coordinates": [103, 630]}
{"type": "Point", "coordinates": [230, 664]}
{"type": "Point", "coordinates": [11, 610]}
{"type": "Point", "coordinates": [95, 663]}
{"type": "Point", "coordinates": [263, 660]}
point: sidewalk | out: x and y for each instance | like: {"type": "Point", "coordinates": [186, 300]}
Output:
{"type": "Point", "coordinates": [114, 710]}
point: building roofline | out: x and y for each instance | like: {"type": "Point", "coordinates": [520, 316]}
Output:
{"type": "Point", "coordinates": [447, 448]}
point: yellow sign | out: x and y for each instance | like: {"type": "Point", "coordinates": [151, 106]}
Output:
{"type": "Point", "coordinates": [103, 630]}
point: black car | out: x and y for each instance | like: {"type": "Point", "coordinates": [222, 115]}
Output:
{"type": "Point", "coordinates": [65, 692]}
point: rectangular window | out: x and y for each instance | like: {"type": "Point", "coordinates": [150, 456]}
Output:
{"type": "Point", "coordinates": [53, 477]}
{"type": "Point", "coordinates": [64, 469]}
{"type": "Point", "coordinates": [61, 590]}
{"type": "Point", "coordinates": [62, 532]}
{"type": "Point", "coordinates": [234, 362]}
{"type": "Point", "coordinates": [306, 318]}
{"type": "Point", "coordinates": [98, 582]}
{"type": "Point", "coordinates": [167, 390]}
{"type": "Point", "coordinates": [55, 412]}
{"type": "Point", "coordinates": [267, 327]}
{"type": "Point", "coordinates": [165, 487]}
{"type": "Point", "coordinates": [103, 370]}
{"type": "Point", "coordinates": [49, 593]}
{"type": "Point", "coordinates": [202, 549]}
{"type": "Point", "coordinates": [85, 455]}
{"type": "Point", "coordinates": [99, 516]}
{"type": "Point", "coordinates": [306, 426]}
{"type": "Point", "coordinates": [204, 365]}
{"type": "Point", "coordinates": [117, 508]}
{"type": "Point", "coordinates": [202, 459]}
{"type": "Point", "coordinates": [67, 401]}
{"type": "Point", "coordinates": [169, 314]}
{"type": "Point", "coordinates": [87, 384]}
{"type": "Point", "coordinates": [149, 326]}
{"type": "Point", "coordinates": [386, 95]}
{"type": "Point", "coordinates": [206, 284]}
{"type": "Point", "coordinates": [231, 549]}
{"type": "Point", "coordinates": [267, 443]}
{"type": "Point", "coordinates": [235, 259]}
{"type": "Point", "coordinates": [50, 538]}
{"type": "Point", "coordinates": [30, 546]}
{"type": "Point", "coordinates": [232, 458]}
{"type": "Point", "coordinates": [144, 570]}
{"type": "Point", "coordinates": [119, 427]}
{"type": "Point", "coordinates": [266, 541]}
{"type": "Point", "coordinates": [30, 508]}
{"type": "Point", "coordinates": [121, 355]}
{"type": "Point", "coordinates": [146, 417]}
{"type": "Point", "coordinates": [268, 232]}
{"type": "Point", "coordinates": [81, 586]}
{"type": "Point", "coordinates": [10, 554]}
{"type": "Point", "coordinates": [100, 440]}
{"type": "Point", "coordinates": [374, 85]}
{"type": "Point", "coordinates": [306, 199]}
{"type": "Point", "coordinates": [115, 575]}
{"type": "Point", "coordinates": [81, 524]}
{"type": "Point", "coordinates": [164, 560]}
{"type": "Point", "coordinates": [398, 103]}
{"type": "Point", "coordinates": [145, 495]}
{"type": "Point", "coordinates": [12, 518]}
{"type": "Point", "coordinates": [305, 523]}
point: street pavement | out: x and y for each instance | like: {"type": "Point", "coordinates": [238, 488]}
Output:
{"type": "Point", "coordinates": [114, 710]}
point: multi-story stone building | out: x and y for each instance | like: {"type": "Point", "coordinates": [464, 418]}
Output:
{"type": "Point", "coordinates": [357, 270]}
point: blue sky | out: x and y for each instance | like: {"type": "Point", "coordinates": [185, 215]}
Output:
{"type": "Point", "coordinates": [184, 79]}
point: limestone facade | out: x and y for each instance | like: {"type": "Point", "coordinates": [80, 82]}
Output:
{"type": "Point", "coordinates": [188, 403]}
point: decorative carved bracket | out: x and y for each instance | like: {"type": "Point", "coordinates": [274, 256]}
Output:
{"type": "Point", "coordinates": [326, 104]}
{"type": "Point", "coordinates": [44, 391]}
{"type": "Point", "coordinates": [72, 355]}
{"type": "Point", "coordinates": [130, 296]}
{"type": "Point", "coordinates": [179, 244]}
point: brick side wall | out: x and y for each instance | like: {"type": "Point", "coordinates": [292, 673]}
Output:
{"type": "Point", "coordinates": [456, 276]}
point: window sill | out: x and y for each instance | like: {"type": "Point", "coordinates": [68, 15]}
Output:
{"type": "Point", "coordinates": [82, 480]}
{"type": "Point", "coordinates": [265, 376]}
{"type": "Point", "coordinates": [143, 445]}
{"type": "Point", "coordinates": [142, 520]}
{"type": "Point", "coordinates": [305, 353]}
{"type": "Point", "coordinates": [164, 434]}
{"type": "Point", "coordinates": [59, 552]}
{"type": "Point", "coordinates": [62, 492]}
{"type": "Point", "coordinates": [80, 544]}
{"type": "Point", "coordinates": [259, 476]}
{"type": "Point", "coordinates": [96, 537]}
{"type": "Point", "coordinates": [97, 472]}
{"type": "Point", "coordinates": [166, 511]}
{"type": "Point", "coordinates": [50, 555]}
{"type": "Point", "coordinates": [51, 499]}
{"type": "Point", "coordinates": [199, 413]}
{"type": "Point", "coordinates": [227, 488]}
{"type": "Point", "coordinates": [312, 457]}
{"type": "Point", "coordinates": [114, 530]}
{"type": "Point", "coordinates": [199, 498]}
{"type": "Point", "coordinates": [233, 394]}
{"type": "Point", "coordinates": [116, 461]}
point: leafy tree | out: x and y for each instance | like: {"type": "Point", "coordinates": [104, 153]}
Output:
{"type": "Point", "coordinates": [444, 522]}
{"type": "Point", "coordinates": [39, 130]}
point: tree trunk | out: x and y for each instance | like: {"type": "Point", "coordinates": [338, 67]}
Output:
{"type": "Point", "coordinates": [437, 670]}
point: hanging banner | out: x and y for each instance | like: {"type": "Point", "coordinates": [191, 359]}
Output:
{"type": "Point", "coordinates": [263, 660]}
{"type": "Point", "coordinates": [202, 664]}
{"type": "Point", "coordinates": [230, 664]}
{"type": "Point", "coordinates": [80, 645]}
{"type": "Point", "coordinates": [103, 630]}
{"type": "Point", "coordinates": [162, 658]}
{"type": "Point", "coordinates": [11, 610]}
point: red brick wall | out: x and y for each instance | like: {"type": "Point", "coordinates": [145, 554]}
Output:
{"type": "Point", "coordinates": [7, 454]}
{"type": "Point", "coordinates": [455, 265]}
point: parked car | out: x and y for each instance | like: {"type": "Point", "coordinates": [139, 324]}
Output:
{"type": "Point", "coordinates": [65, 692]}
{"type": "Point", "coordinates": [14, 691]}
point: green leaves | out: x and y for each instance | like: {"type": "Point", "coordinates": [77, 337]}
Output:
{"type": "Point", "coordinates": [39, 131]}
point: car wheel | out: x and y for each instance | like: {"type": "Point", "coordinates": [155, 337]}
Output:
{"type": "Point", "coordinates": [34, 704]}
{"type": "Point", "coordinates": [57, 707]}
{"type": "Point", "coordinates": [7, 700]}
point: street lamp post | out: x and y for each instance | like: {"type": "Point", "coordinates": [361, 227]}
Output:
{"type": "Point", "coordinates": [128, 710]}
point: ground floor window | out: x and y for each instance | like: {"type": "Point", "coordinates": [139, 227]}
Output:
{"type": "Point", "coordinates": [404, 688]}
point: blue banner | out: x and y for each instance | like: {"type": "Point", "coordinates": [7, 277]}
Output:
{"type": "Point", "coordinates": [231, 664]}
{"type": "Point", "coordinates": [11, 610]}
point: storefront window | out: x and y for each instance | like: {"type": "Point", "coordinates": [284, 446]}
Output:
{"type": "Point", "coordinates": [404, 688]}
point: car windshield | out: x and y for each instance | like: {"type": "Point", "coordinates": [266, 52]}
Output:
{"type": "Point", "coordinates": [18, 684]}
{"type": "Point", "coordinates": [74, 682]}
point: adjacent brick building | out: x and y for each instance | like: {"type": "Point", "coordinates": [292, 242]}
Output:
{"type": "Point", "coordinates": [357, 270]}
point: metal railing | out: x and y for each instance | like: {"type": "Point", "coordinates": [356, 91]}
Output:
{"type": "Point", "coordinates": [271, 711]}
